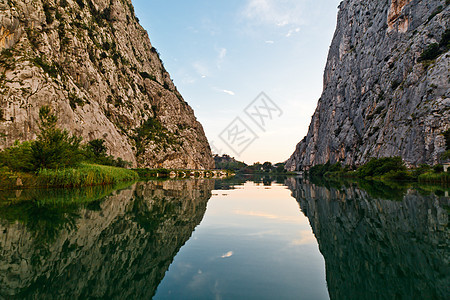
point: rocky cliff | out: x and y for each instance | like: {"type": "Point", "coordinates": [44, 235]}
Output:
{"type": "Point", "coordinates": [93, 63]}
{"type": "Point", "coordinates": [119, 247]}
{"type": "Point", "coordinates": [386, 86]}
{"type": "Point", "coordinates": [376, 248]}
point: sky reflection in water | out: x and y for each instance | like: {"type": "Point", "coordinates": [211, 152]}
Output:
{"type": "Point", "coordinates": [253, 243]}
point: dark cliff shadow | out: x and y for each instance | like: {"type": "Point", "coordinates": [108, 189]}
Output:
{"type": "Point", "coordinates": [116, 247]}
{"type": "Point", "coordinates": [375, 248]}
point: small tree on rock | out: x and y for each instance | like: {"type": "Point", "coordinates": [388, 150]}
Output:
{"type": "Point", "coordinates": [54, 148]}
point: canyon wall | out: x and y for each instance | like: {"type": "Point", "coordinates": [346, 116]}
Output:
{"type": "Point", "coordinates": [381, 96]}
{"type": "Point", "coordinates": [93, 63]}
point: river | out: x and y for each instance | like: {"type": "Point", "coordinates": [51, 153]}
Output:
{"type": "Point", "coordinates": [242, 238]}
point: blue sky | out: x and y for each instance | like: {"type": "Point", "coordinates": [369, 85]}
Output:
{"type": "Point", "coordinates": [223, 54]}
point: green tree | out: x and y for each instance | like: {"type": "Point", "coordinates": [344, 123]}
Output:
{"type": "Point", "coordinates": [381, 166]}
{"type": "Point", "coordinates": [18, 157]}
{"type": "Point", "coordinates": [438, 169]}
{"type": "Point", "coordinates": [280, 168]}
{"type": "Point", "coordinates": [95, 152]}
{"type": "Point", "coordinates": [54, 148]}
{"type": "Point", "coordinates": [267, 166]}
{"type": "Point", "coordinates": [97, 147]}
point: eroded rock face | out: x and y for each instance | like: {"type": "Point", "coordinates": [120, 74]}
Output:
{"type": "Point", "coordinates": [378, 248]}
{"type": "Point", "coordinates": [118, 248]}
{"type": "Point", "coordinates": [93, 63]}
{"type": "Point", "coordinates": [378, 100]}
{"type": "Point", "coordinates": [395, 12]}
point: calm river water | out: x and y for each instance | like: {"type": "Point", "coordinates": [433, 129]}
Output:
{"type": "Point", "coordinates": [244, 238]}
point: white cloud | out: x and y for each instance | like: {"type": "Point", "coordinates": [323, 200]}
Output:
{"type": "Point", "coordinates": [228, 254]}
{"type": "Point", "coordinates": [285, 219]}
{"type": "Point", "coordinates": [269, 42]}
{"type": "Point", "coordinates": [188, 80]}
{"type": "Point", "coordinates": [279, 13]}
{"type": "Point", "coordinates": [222, 52]}
{"type": "Point", "coordinates": [305, 238]}
{"type": "Point", "coordinates": [231, 93]}
{"type": "Point", "coordinates": [201, 69]}
{"type": "Point", "coordinates": [292, 31]}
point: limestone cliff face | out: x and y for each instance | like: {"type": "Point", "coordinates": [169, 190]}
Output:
{"type": "Point", "coordinates": [378, 100]}
{"type": "Point", "coordinates": [93, 63]}
{"type": "Point", "coordinates": [117, 248]}
{"type": "Point", "coordinates": [376, 248]}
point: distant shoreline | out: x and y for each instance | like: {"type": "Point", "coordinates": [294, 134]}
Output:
{"type": "Point", "coordinates": [96, 175]}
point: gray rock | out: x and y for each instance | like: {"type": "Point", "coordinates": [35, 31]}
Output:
{"type": "Point", "coordinates": [378, 100]}
{"type": "Point", "coordinates": [95, 66]}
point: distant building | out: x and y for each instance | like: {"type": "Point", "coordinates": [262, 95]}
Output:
{"type": "Point", "coordinates": [446, 166]}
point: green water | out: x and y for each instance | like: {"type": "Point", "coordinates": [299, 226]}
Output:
{"type": "Point", "coordinates": [243, 238]}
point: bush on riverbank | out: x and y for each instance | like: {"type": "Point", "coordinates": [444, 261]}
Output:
{"type": "Point", "coordinates": [55, 159]}
{"type": "Point", "coordinates": [328, 169]}
{"type": "Point", "coordinates": [95, 152]}
{"type": "Point", "coordinates": [432, 177]}
{"type": "Point", "coordinates": [55, 149]}
{"type": "Point", "coordinates": [385, 169]}
{"type": "Point", "coordinates": [387, 166]}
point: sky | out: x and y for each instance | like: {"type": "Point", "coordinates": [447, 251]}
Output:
{"type": "Point", "coordinates": [222, 55]}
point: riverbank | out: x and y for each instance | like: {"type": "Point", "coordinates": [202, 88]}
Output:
{"type": "Point", "coordinates": [389, 169]}
{"type": "Point", "coordinates": [83, 175]}
{"type": "Point", "coordinates": [96, 175]}
{"type": "Point", "coordinates": [161, 173]}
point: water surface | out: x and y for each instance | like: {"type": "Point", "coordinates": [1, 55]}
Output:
{"type": "Point", "coordinates": [253, 243]}
{"type": "Point", "coordinates": [244, 238]}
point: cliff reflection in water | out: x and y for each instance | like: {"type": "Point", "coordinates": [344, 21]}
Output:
{"type": "Point", "coordinates": [377, 248]}
{"type": "Point", "coordinates": [116, 247]}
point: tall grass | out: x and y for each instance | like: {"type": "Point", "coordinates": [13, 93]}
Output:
{"type": "Point", "coordinates": [443, 177]}
{"type": "Point", "coordinates": [85, 175]}
{"type": "Point", "coordinates": [9, 179]}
